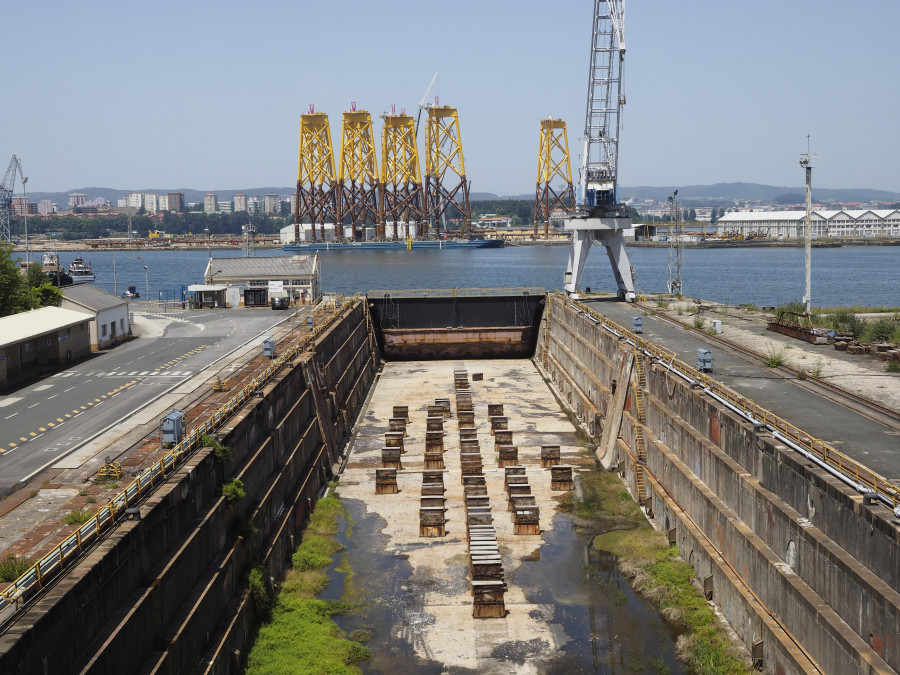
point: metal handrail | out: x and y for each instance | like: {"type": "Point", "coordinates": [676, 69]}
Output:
{"type": "Point", "coordinates": [18, 593]}
{"type": "Point", "coordinates": [840, 462]}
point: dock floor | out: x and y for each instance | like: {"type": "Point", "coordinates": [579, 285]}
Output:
{"type": "Point", "coordinates": [450, 635]}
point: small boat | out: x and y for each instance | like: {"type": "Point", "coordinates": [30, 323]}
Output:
{"type": "Point", "coordinates": [81, 271]}
{"type": "Point", "coordinates": [131, 293]}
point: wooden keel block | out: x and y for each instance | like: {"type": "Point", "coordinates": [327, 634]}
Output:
{"type": "Point", "coordinates": [401, 411]}
{"type": "Point", "coordinates": [508, 456]}
{"type": "Point", "coordinates": [561, 478]}
{"type": "Point", "coordinates": [495, 409]}
{"type": "Point", "coordinates": [396, 424]}
{"type": "Point", "coordinates": [390, 458]}
{"type": "Point", "coordinates": [386, 482]}
{"type": "Point", "coordinates": [549, 456]}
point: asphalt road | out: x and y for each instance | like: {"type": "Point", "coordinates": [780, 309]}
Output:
{"type": "Point", "coordinates": [46, 420]}
{"type": "Point", "coordinates": [857, 436]}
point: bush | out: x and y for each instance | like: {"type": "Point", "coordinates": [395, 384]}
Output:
{"type": "Point", "coordinates": [699, 322]}
{"type": "Point", "coordinates": [221, 452]}
{"type": "Point", "coordinates": [893, 367]}
{"type": "Point", "coordinates": [775, 355]}
{"type": "Point", "coordinates": [263, 599]}
{"type": "Point", "coordinates": [13, 566]}
{"type": "Point", "coordinates": [233, 491]}
{"type": "Point", "coordinates": [881, 330]}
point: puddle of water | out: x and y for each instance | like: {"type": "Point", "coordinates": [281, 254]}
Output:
{"type": "Point", "coordinates": [610, 628]}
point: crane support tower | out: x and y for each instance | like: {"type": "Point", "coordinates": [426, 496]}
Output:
{"type": "Point", "coordinates": [358, 185]}
{"type": "Point", "coordinates": [7, 189]}
{"type": "Point", "coordinates": [402, 201]}
{"type": "Point", "coordinates": [445, 170]}
{"type": "Point", "coordinates": [553, 165]}
{"type": "Point", "coordinates": [316, 186]}
{"type": "Point", "coordinates": [599, 217]}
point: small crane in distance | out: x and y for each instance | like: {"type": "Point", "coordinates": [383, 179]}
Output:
{"type": "Point", "coordinates": [422, 102]}
{"type": "Point", "coordinates": [7, 189]}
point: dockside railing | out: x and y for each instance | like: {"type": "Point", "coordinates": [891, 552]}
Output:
{"type": "Point", "coordinates": [863, 479]}
{"type": "Point", "coordinates": [17, 595]}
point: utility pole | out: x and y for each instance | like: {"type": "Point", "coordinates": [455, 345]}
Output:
{"type": "Point", "coordinates": [808, 161]}
{"type": "Point", "coordinates": [676, 249]}
{"type": "Point", "coordinates": [25, 193]}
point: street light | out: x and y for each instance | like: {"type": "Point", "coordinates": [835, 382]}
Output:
{"type": "Point", "coordinates": [208, 242]}
{"type": "Point", "coordinates": [146, 282]}
{"type": "Point", "coordinates": [25, 193]}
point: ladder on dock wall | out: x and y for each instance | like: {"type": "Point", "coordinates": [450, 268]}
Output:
{"type": "Point", "coordinates": [638, 384]}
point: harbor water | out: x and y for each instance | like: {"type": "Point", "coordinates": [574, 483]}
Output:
{"type": "Point", "coordinates": [843, 276]}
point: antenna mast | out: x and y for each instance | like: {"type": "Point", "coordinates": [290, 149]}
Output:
{"type": "Point", "coordinates": [808, 161]}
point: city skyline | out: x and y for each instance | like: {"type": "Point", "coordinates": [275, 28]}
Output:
{"type": "Point", "coordinates": [717, 92]}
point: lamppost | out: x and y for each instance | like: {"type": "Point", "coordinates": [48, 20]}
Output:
{"type": "Point", "coordinates": [25, 193]}
{"type": "Point", "coordinates": [146, 282]}
{"type": "Point", "coordinates": [215, 302]}
{"type": "Point", "coordinates": [208, 242]}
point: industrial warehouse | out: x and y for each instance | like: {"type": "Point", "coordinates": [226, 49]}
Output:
{"type": "Point", "coordinates": [826, 224]}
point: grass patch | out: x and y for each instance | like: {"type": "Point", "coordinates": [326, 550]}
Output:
{"type": "Point", "coordinates": [893, 367]}
{"type": "Point", "coordinates": [77, 517]}
{"type": "Point", "coordinates": [657, 572]}
{"type": "Point", "coordinates": [699, 322]}
{"type": "Point", "coordinates": [13, 566]}
{"type": "Point", "coordinates": [300, 636]}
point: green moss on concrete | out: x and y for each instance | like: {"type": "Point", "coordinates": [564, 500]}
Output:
{"type": "Point", "coordinates": [301, 636]}
{"type": "Point", "coordinates": [657, 572]}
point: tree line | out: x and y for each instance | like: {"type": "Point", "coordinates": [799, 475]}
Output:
{"type": "Point", "coordinates": [22, 292]}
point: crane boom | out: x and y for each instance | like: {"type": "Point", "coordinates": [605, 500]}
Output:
{"type": "Point", "coordinates": [600, 218]}
{"type": "Point", "coordinates": [422, 102]}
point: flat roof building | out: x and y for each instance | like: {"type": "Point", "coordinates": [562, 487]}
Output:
{"type": "Point", "coordinates": [108, 313]}
{"type": "Point", "coordinates": [35, 342]}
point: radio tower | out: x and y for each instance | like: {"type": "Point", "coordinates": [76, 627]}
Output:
{"type": "Point", "coordinates": [808, 161]}
{"type": "Point", "coordinates": [599, 217]}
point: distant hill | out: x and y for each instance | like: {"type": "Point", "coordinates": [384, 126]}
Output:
{"type": "Point", "coordinates": [728, 192]}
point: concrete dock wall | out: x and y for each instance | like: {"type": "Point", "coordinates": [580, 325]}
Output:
{"type": "Point", "coordinates": [166, 593]}
{"type": "Point", "coordinates": [799, 566]}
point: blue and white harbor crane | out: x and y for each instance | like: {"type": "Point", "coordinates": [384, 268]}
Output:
{"type": "Point", "coordinates": [599, 218]}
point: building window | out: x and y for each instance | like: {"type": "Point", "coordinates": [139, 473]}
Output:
{"type": "Point", "coordinates": [29, 347]}
{"type": "Point", "coordinates": [104, 329]}
{"type": "Point", "coordinates": [121, 324]}
{"type": "Point", "coordinates": [49, 342]}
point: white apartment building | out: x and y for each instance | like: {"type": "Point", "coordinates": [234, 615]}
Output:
{"type": "Point", "coordinates": [254, 204]}
{"type": "Point", "coordinates": [868, 223]}
{"type": "Point", "coordinates": [151, 204]}
{"type": "Point", "coordinates": [45, 207]}
{"type": "Point", "coordinates": [77, 199]}
{"type": "Point", "coordinates": [163, 203]}
{"type": "Point", "coordinates": [210, 202]}
{"type": "Point", "coordinates": [121, 202]}
{"type": "Point", "coordinates": [135, 200]}
{"type": "Point", "coordinates": [271, 203]}
{"type": "Point", "coordinates": [240, 202]}
{"type": "Point", "coordinates": [223, 207]}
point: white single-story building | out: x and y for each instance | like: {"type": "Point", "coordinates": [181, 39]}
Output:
{"type": "Point", "coordinates": [109, 313]}
{"type": "Point", "coordinates": [34, 342]}
{"type": "Point", "coordinates": [254, 281]}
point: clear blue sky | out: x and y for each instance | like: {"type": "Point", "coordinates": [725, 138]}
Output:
{"type": "Point", "coordinates": [208, 95]}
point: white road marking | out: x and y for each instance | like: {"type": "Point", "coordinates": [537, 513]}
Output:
{"type": "Point", "coordinates": [9, 400]}
{"type": "Point", "coordinates": [31, 406]}
{"type": "Point", "coordinates": [43, 387]}
{"type": "Point", "coordinates": [54, 396]}
{"type": "Point", "coordinates": [69, 389]}
{"type": "Point", "coordinates": [13, 415]}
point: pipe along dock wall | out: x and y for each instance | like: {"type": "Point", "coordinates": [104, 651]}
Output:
{"type": "Point", "coordinates": [165, 593]}
{"type": "Point", "coordinates": [805, 572]}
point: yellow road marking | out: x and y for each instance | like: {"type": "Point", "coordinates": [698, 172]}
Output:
{"type": "Point", "coordinates": [103, 395]}
{"type": "Point", "coordinates": [13, 445]}
{"type": "Point", "coordinates": [97, 400]}
{"type": "Point", "coordinates": [51, 424]}
{"type": "Point", "coordinates": [60, 419]}
{"type": "Point", "coordinates": [31, 433]}
{"type": "Point", "coordinates": [68, 415]}
{"type": "Point", "coordinates": [90, 403]}
{"type": "Point", "coordinates": [23, 438]}
{"type": "Point", "coordinates": [84, 407]}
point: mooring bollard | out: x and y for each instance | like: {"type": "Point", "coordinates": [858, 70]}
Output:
{"type": "Point", "coordinates": [386, 482]}
{"type": "Point", "coordinates": [549, 455]}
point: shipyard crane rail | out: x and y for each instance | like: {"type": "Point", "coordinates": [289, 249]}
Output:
{"type": "Point", "coordinates": [599, 217]}
{"type": "Point", "coordinates": [7, 188]}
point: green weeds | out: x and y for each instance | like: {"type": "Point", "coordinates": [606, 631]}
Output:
{"type": "Point", "coordinates": [13, 566]}
{"type": "Point", "coordinates": [77, 517]}
{"type": "Point", "coordinates": [775, 355]}
{"type": "Point", "coordinates": [299, 635]}
{"type": "Point", "coordinates": [233, 491]}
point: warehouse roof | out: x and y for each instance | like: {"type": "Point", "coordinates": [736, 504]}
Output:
{"type": "Point", "coordinates": [37, 322]}
{"type": "Point", "coordinates": [760, 216]}
{"type": "Point", "coordinates": [275, 267]}
{"type": "Point", "coordinates": [91, 297]}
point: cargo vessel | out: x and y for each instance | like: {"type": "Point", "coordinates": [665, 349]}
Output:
{"type": "Point", "coordinates": [314, 246]}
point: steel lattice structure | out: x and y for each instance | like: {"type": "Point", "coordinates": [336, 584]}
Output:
{"type": "Point", "coordinates": [553, 165]}
{"type": "Point", "coordinates": [445, 171]}
{"type": "Point", "coordinates": [7, 188]}
{"type": "Point", "coordinates": [316, 186]}
{"type": "Point", "coordinates": [358, 184]}
{"type": "Point", "coordinates": [402, 197]}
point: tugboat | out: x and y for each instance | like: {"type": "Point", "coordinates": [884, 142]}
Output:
{"type": "Point", "coordinates": [81, 271]}
{"type": "Point", "coordinates": [131, 293]}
